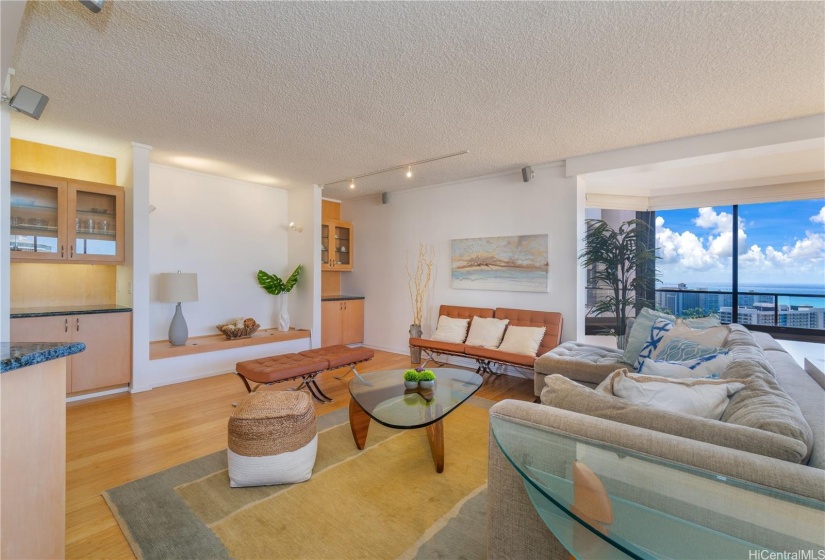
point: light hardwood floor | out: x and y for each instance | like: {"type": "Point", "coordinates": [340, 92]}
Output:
{"type": "Point", "coordinates": [114, 440]}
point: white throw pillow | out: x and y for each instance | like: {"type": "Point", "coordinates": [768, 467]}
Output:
{"type": "Point", "coordinates": [522, 340]}
{"type": "Point", "coordinates": [451, 330]}
{"type": "Point", "coordinates": [712, 336]}
{"type": "Point", "coordinates": [706, 366]}
{"type": "Point", "coordinates": [706, 398]}
{"type": "Point", "coordinates": [486, 333]}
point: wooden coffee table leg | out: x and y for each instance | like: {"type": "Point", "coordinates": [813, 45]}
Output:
{"type": "Point", "coordinates": [435, 433]}
{"type": "Point", "coordinates": [359, 422]}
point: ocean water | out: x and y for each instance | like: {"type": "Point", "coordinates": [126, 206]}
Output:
{"type": "Point", "coordinates": [788, 291]}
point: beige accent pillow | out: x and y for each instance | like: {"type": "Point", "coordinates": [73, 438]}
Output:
{"type": "Point", "coordinates": [706, 398]}
{"type": "Point", "coordinates": [522, 340]}
{"type": "Point", "coordinates": [712, 336]}
{"type": "Point", "coordinates": [561, 392]}
{"type": "Point", "coordinates": [486, 333]}
{"type": "Point", "coordinates": [451, 330]}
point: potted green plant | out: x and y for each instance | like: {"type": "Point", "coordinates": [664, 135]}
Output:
{"type": "Point", "coordinates": [426, 379]}
{"type": "Point", "coordinates": [619, 261]}
{"type": "Point", "coordinates": [280, 288]}
{"type": "Point", "coordinates": [411, 379]}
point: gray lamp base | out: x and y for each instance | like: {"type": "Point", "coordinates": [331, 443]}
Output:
{"type": "Point", "coordinates": [178, 332]}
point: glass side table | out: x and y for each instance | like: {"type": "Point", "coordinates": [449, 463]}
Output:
{"type": "Point", "coordinates": [603, 502]}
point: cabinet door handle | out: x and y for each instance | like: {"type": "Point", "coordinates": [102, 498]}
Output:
{"type": "Point", "coordinates": [345, 306]}
{"type": "Point", "coordinates": [78, 324]}
{"type": "Point", "coordinates": [71, 251]}
{"type": "Point", "coordinates": [62, 254]}
{"type": "Point", "coordinates": [66, 325]}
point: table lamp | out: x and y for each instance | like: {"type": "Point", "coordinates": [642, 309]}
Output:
{"type": "Point", "coordinates": [177, 287]}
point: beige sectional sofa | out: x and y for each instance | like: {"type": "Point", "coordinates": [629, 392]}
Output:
{"type": "Point", "coordinates": [772, 433]}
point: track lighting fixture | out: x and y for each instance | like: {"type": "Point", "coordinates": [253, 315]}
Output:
{"type": "Point", "coordinates": [298, 228]}
{"type": "Point", "coordinates": [409, 167]}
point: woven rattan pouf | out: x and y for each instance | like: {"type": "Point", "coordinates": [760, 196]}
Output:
{"type": "Point", "coordinates": [272, 439]}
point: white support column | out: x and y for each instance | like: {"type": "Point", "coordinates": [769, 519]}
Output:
{"type": "Point", "coordinates": [581, 273]}
{"type": "Point", "coordinates": [138, 237]}
{"type": "Point", "coordinates": [305, 249]}
{"type": "Point", "coordinates": [5, 197]}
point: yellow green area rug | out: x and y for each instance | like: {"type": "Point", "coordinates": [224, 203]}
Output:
{"type": "Point", "coordinates": [386, 501]}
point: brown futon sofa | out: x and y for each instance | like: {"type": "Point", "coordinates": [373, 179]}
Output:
{"type": "Point", "coordinates": [485, 357]}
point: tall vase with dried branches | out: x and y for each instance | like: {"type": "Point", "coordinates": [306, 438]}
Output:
{"type": "Point", "coordinates": [418, 282]}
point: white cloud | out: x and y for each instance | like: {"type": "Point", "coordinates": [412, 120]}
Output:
{"type": "Point", "coordinates": [687, 253]}
{"type": "Point", "coordinates": [709, 219]}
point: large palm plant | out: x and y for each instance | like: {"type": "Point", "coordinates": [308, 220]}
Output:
{"type": "Point", "coordinates": [620, 261]}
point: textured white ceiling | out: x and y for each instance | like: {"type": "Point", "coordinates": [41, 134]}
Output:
{"type": "Point", "coordinates": [294, 93]}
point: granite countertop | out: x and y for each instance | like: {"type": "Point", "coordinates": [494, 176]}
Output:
{"type": "Point", "coordinates": [20, 312]}
{"type": "Point", "coordinates": [16, 355]}
{"type": "Point", "coordinates": [339, 298]}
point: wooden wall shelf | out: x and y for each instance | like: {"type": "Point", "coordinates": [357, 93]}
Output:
{"type": "Point", "coordinates": [160, 349]}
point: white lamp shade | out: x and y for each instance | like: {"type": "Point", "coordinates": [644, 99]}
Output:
{"type": "Point", "coordinates": [178, 286]}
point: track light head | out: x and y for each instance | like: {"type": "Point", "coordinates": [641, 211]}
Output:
{"type": "Point", "coordinates": [352, 184]}
{"type": "Point", "coordinates": [409, 171]}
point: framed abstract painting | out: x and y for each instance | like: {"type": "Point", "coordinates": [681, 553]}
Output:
{"type": "Point", "coordinates": [517, 263]}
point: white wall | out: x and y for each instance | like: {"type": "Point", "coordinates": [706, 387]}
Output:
{"type": "Point", "coordinates": [499, 205]}
{"type": "Point", "coordinates": [305, 249]}
{"type": "Point", "coordinates": [225, 231]}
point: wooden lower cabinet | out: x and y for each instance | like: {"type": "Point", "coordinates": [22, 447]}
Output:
{"type": "Point", "coordinates": [342, 322]}
{"type": "Point", "coordinates": [107, 360]}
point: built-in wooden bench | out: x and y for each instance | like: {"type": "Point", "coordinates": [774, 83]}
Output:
{"type": "Point", "coordinates": [160, 349]}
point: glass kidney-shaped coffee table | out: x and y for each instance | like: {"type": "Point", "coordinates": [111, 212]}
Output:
{"type": "Point", "coordinates": [603, 502]}
{"type": "Point", "coordinates": [381, 396]}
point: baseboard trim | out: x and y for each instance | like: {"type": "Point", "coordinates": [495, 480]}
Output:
{"type": "Point", "coordinates": [98, 394]}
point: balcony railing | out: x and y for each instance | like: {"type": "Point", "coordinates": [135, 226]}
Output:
{"type": "Point", "coordinates": [796, 315]}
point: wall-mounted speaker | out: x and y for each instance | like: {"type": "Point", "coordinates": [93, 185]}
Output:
{"type": "Point", "coordinates": [527, 173]}
{"type": "Point", "coordinates": [385, 198]}
{"type": "Point", "coordinates": [29, 102]}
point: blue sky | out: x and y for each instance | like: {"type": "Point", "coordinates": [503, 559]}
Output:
{"type": "Point", "coordinates": [780, 243]}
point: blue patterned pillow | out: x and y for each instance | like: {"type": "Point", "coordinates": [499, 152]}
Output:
{"type": "Point", "coordinates": [640, 332]}
{"type": "Point", "coordinates": [682, 350]}
{"type": "Point", "coordinates": [657, 332]}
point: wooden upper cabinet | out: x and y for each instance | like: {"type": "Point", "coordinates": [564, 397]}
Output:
{"type": "Point", "coordinates": [337, 245]}
{"type": "Point", "coordinates": [96, 228]}
{"type": "Point", "coordinates": [60, 220]}
{"type": "Point", "coordinates": [38, 218]}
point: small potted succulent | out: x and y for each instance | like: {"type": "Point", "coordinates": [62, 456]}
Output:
{"type": "Point", "coordinates": [426, 379]}
{"type": "Point", "coordinates": [411, 379]}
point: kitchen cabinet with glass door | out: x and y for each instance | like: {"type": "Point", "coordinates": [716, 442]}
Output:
{"type": "Point", "coordinates": [61, 220]}
{"type": "Point", "coordinates": [337, 245]}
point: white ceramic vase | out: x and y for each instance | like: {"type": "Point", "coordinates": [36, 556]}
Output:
{"type": "Point", "coordinates": [283, 313]}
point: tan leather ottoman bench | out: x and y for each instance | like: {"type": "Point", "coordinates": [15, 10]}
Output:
{"type": "Point", "coordinates": [306, 366]}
